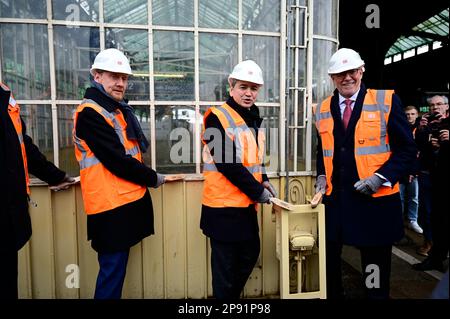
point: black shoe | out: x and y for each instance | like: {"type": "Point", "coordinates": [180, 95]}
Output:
{"type": "Point", "coordinates": [429, 264]}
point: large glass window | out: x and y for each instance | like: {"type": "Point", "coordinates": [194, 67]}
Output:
{"type": "Point", "coordinates": [173, 12]}
{"type": "Point", "coordinates": [134, 43]}
{"type": "Point", "coordinates": [325, 17]}
{"type": "Point", "coordinates": [38, 123]}
{"type": "Point", "coordinates": [270, 125]}
{"type": "Point", "coordinates": [173, 58]}
{"type": "Point", "coordinates": [261, 15]}
{"type": "Point", "coordinates": [218, 55]}
{"type": "Point", "coordinates": [175, 139]}
{"type": "Point", "coordinates": [322, 84]}
{"type": "Point", "coordinates": [24, 58]}
{"type": "Point", "coordinates": [221, 14]}
{"type": "Point", "coordinates": [80, 10]}
{"type": "Point", "coordinates": [130, 11]}
{"type": "Point", "coordinates": [142, 113]}
{"type": "Point", "coordinates": [67, 160]}
{"type": "Point", "coordinates": [23, 9]}
{"type": "Point", "coordinates": [265, 51]}
{"type": "Point", "coordinates": [75, 51]}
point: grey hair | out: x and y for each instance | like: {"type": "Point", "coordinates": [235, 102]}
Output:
{"type": "Point", "coordinates": [441, 96]}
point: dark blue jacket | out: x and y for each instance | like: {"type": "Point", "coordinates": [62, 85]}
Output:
{"type": "Point", "coordinates": [353, 218]}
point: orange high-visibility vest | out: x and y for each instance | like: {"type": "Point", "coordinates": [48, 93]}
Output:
{"type": "Point", "coordinates": [218, 191]}
{"type": "Point", "coordinates": [101, 189]}
{"type": "Point", "coordinates": [14, 114]}
{"type": "Point", "coordinates": [372, 147]}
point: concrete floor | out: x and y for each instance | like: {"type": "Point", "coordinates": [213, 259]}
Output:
{"type": "Point", "coordinates": [406, 283]}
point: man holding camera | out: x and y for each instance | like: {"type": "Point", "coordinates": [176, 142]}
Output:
{"type": "Point", "coordinates": [432, 138]}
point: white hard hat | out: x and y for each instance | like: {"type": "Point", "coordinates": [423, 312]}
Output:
{"type": "Point", "coordinates": [344, 60]}
{"type": "Point", "coordinates": [111, 60]}
{"type": "Point", "coordinates": [249, 71]}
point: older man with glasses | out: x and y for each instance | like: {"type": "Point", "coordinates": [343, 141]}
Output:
{"type": "Point", "coordinates": [365, 147]}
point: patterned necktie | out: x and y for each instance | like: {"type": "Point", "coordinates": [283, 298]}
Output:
{"type": "Point", "coordinates": [347, 112]}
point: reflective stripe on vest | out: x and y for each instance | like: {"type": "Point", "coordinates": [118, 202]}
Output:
{"type": "Point", "coordinates": [372, 147]}
{"type": "Point", "coordinates": [102, 190]}
{"type": "Point", "coordinates": [218, 191]}
{"type": "Point", "coordinates": [14, 114]}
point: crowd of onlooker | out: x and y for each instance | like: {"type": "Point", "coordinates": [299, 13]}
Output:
{"type": "Point", "coordinates": [424, 192]}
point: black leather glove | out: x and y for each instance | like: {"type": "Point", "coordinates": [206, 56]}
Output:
{"type": "Point", "coordinates": [369, 185]}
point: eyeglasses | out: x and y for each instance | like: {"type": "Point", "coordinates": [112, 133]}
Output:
{"type": "Point", "coordinates": [343, 75]}
{"type": "Point", "coordinates": [438, 104]}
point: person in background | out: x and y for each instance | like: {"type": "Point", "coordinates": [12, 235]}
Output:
{"type": "Point", "coordinates": [234, 182]}
{"type": "Point", "coordinates": [109, 143]}
{"type": "Point", "coordinates": [365, 146]}
{"type": "Point", "coordinates": [433, 141]}
{"type": "Point", "coordinates": [409, 185]}
{"type": "Point", "coordinates": [19, 157]}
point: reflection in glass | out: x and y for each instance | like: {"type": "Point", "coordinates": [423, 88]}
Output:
{"type": "Point", "coordinates": [218, 56]}
{"type": "Point", "coordinates": [75, 10]}
{"type": "Point", "coordinates": [130, 12]}
{"type": "Point", "coordinates": [325, 17]}
{"type": "Point", "coordinates": [265, 51]}
{"type": "Point", "coordinates": [134, 44]}
{"type": "Point", "coordinates": [270, 124]}
{"type": "Point", "coordinates": [23, 9]}
{"type": "Point", "coordinates": [322, 84]}
{"type": "Point", "coordinates": [262, 15]}
{"type": "Point", "coordinates": [38, 123]}
{"type": "Point", "coordinates": [75, 50]}
{"type": "Point", "coordinates": [174, 139]}
{"type": "Point", "coordinates": [218, 14]}
{"type": "Point", "coordinates": [67, 160]}
{"type": "Point", "coordinates": [173, 12]}
{"type": "Point", "coordinates": [173, 58]}
{"type": "Point", "coordinates": [25, 63]}
{"type": "Point", "coordinates": [142, 113]}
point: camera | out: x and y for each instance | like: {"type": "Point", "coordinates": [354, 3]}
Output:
{"type": "Point", "coordinates": [434, 117]}
{"type": "Point", "coordinates": [436, 124]}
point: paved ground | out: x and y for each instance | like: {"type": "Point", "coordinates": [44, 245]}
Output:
{"type": "Point", "coordinates": [406, 283]}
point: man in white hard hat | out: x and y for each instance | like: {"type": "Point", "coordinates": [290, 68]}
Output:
{"type": "Point", "coordinates": [109, 143]}
{"type": "Point", "coordinates": [365, 147]}
{"type": "Point", "coordinates": [234, 181]}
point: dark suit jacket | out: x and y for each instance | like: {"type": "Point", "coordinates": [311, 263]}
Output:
{"type": "Point", "coordinates": [353, 218]}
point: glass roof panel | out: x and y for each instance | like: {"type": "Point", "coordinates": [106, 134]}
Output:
{"type": "Point", "coordinates": [436, 26]}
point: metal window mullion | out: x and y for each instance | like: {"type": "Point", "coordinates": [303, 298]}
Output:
{"type": "Point", "coordinates": [102, 24]}
{"type": "Point", "coordinates": [282, 114]}
{"type": "Point", "coordinates": [197, 126]}
{"type": "Point", "coordinates": [24, 21]}
{"type": "Point", "coordinates": [295, 88]}
{"type": "Point", "coordinates": [151, 68]}
{"type": "Point", "coordinates": [240, 30]}
{"type": "Point", "coordinates": [153, 135]}
{"type": "Point", "coordinates": [308, 96]}
{"type": "Point", "coordinates": [51, 56]}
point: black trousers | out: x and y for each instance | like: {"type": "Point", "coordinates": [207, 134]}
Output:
{"type": "Point", "coordinates": [231, 264]}
{"type": "Point", "coordinates": [8, 269]}
{"type": "Point", "coordinates": [375, 266]}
